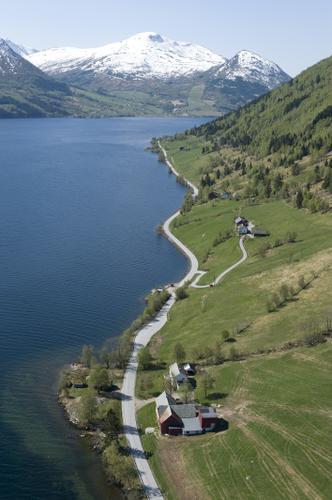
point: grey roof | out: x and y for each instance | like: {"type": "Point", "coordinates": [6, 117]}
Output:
{"type": "Point", "coordinates": [191, 425]}
{"type": "Point", "coordinates": [185, 410]}
{"type": "Point", "coordinates": [208, 412]}
{"type": "Point", "coordinates": [189, 366]}
{"type": "Point", "coordinates": [174, 369]}
{"type": "Point", "coordinates": [164, 399]}
{"type": "Point", "coordinates": [181, 377]}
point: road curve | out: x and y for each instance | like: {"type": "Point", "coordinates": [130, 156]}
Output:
{"type": "Point", "coordinates": [175, 172]}
{"type": "Point", "coordinates": [142, 338]}
{"type": "Point", "coordinates": [223, 274]}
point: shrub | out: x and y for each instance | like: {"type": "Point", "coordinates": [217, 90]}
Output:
{"type": "Point", "coordinates": [181, 293]}
{"type": "Point", "coordinates": [179, 353]}
{"type": "Point", "coordinates": [291, 237]}
{"type": "Point", "coordinates": [144, 358]}
{"type": "Point", "coordinates": [233, 354]}
{"type": "Point", "coordinates": [87, 409]}
{"type": "Point", "coordinates": [270, 305]}
{"type": "Point", "coordinates": [225, 335]}
{"type": "Point", "coordinates": [99, 378]}
{"type": "Point", "coordinates": [120, 467]}
{"type": "Point", "coordinates": [313, 339]}
{"type": "Point", "coordinates": [263, 249]}
{"type": "Point", "coordinates": [278, 243]}
{"type": "Point", "coordinates": [284, 293]}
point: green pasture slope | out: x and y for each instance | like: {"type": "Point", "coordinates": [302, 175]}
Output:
{"type": "Point", "coordinates": [277, 403]}
{"type": "Point", "coordinates": [274, 388]}
{"type": "Point", "coordinates": [277, 445]}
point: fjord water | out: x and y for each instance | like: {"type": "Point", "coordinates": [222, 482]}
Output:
{"type": "Point", "coordinates": [79, 202]}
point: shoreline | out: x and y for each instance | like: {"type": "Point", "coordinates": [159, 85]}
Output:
{"type": "Point", "coordinates": [145, 334]}
{"type": "Point", "coordinates": [141, 339]}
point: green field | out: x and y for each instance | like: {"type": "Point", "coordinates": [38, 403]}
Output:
{"type": "Point", "coordinates": [264, 332]}
{"type": "Point", "coordinates": [277, 444]}
{"type": "Point", "coordinates": [199, 320]}
{"type": "Point", "coordinates": [277, 403]}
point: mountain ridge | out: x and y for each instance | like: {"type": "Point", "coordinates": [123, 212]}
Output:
{"type": "Point", "coordinates": [144, 55]}
{"type": "Point", "coordinates": [148, 74]}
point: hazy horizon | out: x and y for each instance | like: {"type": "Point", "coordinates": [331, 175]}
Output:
{"type": "Point", "coordinates": [294, 36]}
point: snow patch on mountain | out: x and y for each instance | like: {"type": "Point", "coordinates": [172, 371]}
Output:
{"type": "Point", "coordinates": [21, 50]}
{"type": "Point", "coordinates": [252, 67]}
{"type": "Point", "coordinates": [145, 55]}
{"type": "Point", "coordinates": [10, 61]}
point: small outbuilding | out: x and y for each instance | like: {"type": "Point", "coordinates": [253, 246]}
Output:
{"type": "Point", "coordinates": [242, 230]}
{"type": "Point", "coordinates": [260, 232]}
{"type": "Point", "coordinates": [180, 373]}
{"type": "Point", "coordinates": [189, 369]}
{"type": "Point", "coordinates": [241, 221]}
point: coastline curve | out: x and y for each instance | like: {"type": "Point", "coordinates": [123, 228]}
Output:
{"type": "Point", "coordinates": [143, 337]}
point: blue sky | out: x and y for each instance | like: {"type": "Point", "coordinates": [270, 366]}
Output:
{"type": "Point", "coordinates": [293, 33]}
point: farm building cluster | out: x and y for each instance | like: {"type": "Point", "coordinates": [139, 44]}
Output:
{"type": "Point", "coordinates": [180, 373]}
{"type": "Point", "coordinates": [183, 419]}
{"type": "Point", "coordinates": [244, 227]}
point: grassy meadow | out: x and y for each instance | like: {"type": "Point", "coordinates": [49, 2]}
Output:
{"type": "Point", "coordinates": [263, 334]}
{"type": "Point", "coordinates": [276, 402]}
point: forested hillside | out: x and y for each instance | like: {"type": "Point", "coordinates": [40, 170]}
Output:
{"type": "Point", "coordinates": [260, 339]}
{"type": "Point", "coordinates": [276, 147]}
{"type": "Point", "coordinates": [295, 119]}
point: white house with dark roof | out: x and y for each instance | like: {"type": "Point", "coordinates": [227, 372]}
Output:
{"type": "Point", "coordinates": [179, 373]}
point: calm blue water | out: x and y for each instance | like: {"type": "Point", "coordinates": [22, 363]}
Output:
{"type": "Point", "coordinates": [79, 202]}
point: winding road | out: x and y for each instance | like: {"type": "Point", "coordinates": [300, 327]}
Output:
{"type": "Point", "coordinates": [143, 337]}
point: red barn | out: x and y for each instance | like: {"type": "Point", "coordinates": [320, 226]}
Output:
{"type": "Point", "coordinates": [169, 421]}
{"type": "Point", "coordinates": [185, 419]}
{"type": "Point", "coordinates": [208, 418]}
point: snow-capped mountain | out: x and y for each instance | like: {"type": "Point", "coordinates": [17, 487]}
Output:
{"type": "Point", "coordinates": [144, 74]}
{"type": "Point", "coordinates": [252, 68]}
{"type": "Point", "coordinates": [143, 56]}
{"type": "Point", "coordinates": [11, 63]}
{"type": "Point", "coordinates": [20, 49]}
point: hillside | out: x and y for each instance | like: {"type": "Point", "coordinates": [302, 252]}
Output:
{"type": "Point", "coordinates": [277, 146]}
{"type": "Point", "coordinates": [262, 336]}
{"type": "Point", "coordinates": [294, 119]}
{"type": "Point", "coordinates": [26, 91]}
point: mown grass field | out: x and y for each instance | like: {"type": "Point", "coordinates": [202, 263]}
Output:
{"type": "Point", "coordinates": [278, 404]}
{"type": "Point", "coordinates": [240, 299]}
{"type": "Point", "coordinates": [277, 445]}
{"type": "Point", "coordinates": [278, 442]}
{"type": "Point", "coordinates": [273, 389]}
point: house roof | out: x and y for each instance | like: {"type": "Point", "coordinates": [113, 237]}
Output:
{"type": "Point", "coordinates": [191, 425]}
{"type": "Point", "coordinates": [185, 410]}
{"type": "Point", "coordinates": [164, 399]}
{"type": "Point", "coordinates": [188, 366]}
{"type": "Point", "coordinates": [181, 377]}
{"type": "Point", "coordinates": [238, 220]}
{"type": "Point", "coordinates": [207, 412]}
{"type": "Point", "coordinates": [174, 369]}
{"type": "Point", "coordinates": [167, 413]}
